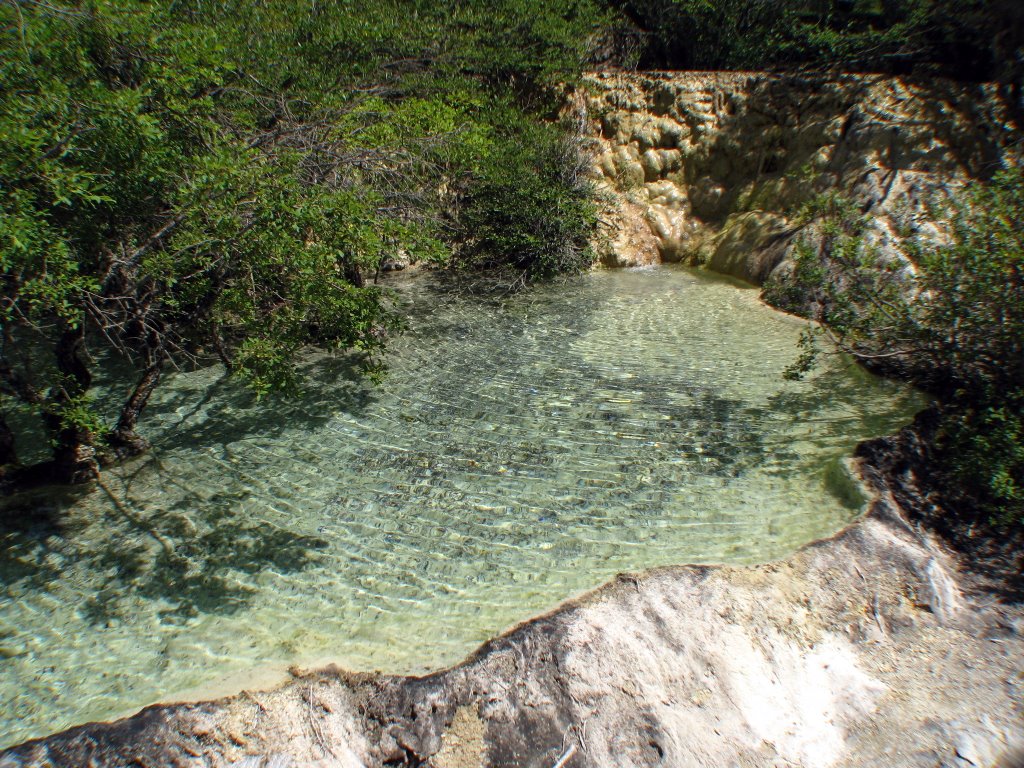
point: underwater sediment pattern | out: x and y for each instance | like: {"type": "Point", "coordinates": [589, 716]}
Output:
{"type": "Point", "coordinates": [522, 449]}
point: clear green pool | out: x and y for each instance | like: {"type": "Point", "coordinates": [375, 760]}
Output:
{"type": "Point", "coordinates": [522, 450]}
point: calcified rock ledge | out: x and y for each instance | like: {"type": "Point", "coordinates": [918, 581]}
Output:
{"type": "Point", "coordinates": [867, 649]}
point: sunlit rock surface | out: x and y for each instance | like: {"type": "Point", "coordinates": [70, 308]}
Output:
{"type": "Point", "coordinates": [714, 167]}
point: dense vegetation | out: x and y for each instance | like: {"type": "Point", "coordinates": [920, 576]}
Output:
{"type": "Point", "coordinates": [954, 325]}
{"type": "Point", "coordinates": [187, 181]}
{"type": "Point", "coordinates": [183, 181]}
{"type": "Point", "coordinates": [968, 39]}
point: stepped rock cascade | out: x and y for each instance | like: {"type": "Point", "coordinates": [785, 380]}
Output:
{"type": "Point", "coordinates": [712, 168]}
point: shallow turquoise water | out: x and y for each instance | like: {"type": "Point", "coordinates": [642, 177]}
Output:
{"type": "Point", "coordinates": [521, 450]}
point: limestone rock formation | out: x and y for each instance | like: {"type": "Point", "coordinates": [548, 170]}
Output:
{"type": "Point", "coordinates": [713, 168]}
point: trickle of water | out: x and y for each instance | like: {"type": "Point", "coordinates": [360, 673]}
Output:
{"type": "Point", "coordinates": [519, 452]}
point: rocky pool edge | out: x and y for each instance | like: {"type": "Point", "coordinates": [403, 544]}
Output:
{"type": "Point", "coordinates": [876, 646]}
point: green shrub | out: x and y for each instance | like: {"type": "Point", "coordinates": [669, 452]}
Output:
{"type": "Point", "coordinates": [184, 181]}
{"type": "Point", "coordinates": [953, 323]}
{"type": "Point", "coordinates": [531, 206]}
{"type": "Point", "coordinates": [974, 39]}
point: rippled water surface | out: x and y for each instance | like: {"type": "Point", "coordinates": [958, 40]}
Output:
{"type": "Point", "coordinates": [521, 450]}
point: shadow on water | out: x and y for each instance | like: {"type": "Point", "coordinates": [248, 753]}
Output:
{"type": "Point", "coordinates": [225, 411]}
{"type": "Point", "coordinates": [837, 406]}
{"type": "Point", "coordinates": [198, 555]}
{"type": "Point", "coordinates": [835, 409]}
{"type": "Point", "coordinates": [518, 451]}
{"type": "Point", "coordinates": [151, 534]}
{"type": "Point", "coordinates": [719, 435]}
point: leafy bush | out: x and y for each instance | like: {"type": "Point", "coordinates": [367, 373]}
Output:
{"type": "Point", "coordinates": [180, 181]}
{"type": "Point", "coordinates": [976, 39]}
{"type": "Point", "coordinates": [953, 323]}
{"type": "Point", "coordinates": [531, 205]}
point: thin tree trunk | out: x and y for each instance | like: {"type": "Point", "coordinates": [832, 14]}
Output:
{"type": "Point", "coordinates": [74, 452]}
{"type": "Point", "coordinates": [8, 455]}
{"type": "Point", "coordinates": [124, 439]}
{"type": "Point", "coordinates": [353, 275]}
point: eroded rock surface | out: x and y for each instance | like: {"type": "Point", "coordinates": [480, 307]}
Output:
{"type": "Point", "coordinates": [714, 168]}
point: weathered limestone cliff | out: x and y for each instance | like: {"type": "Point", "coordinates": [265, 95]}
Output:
{"type": "Point", "coordinates": [713, 168]}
